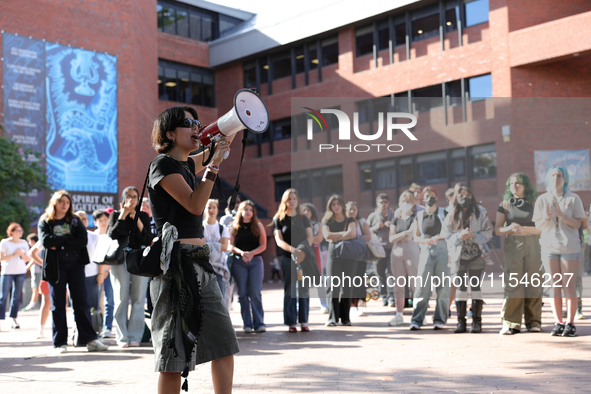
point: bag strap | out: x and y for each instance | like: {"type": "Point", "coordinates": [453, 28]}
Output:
{"type": "Point", "coordinates": [139, 204]}
{"type": "Point", "coordinates": [237, 186]}
{"type": "Point", "coordinates": [221, 230]}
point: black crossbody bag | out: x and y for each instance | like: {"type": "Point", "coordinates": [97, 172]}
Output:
{"type": "Point", "coordinates": [145, 261]}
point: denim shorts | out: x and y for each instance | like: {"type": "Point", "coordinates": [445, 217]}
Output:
{"type": "Point", "coordinates": [570, 256]}
{"type": "Point", "coordinates": [217, 338]}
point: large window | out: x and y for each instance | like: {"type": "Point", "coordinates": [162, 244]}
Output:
{"type": "Point", "coordinates": [383, 35]}
{"type": "Point", "coordinates": [453, 93]}
{"type": "Point", "coordinates": [426, 98]}
{"type": "Point", "coordinates": [458, 165]}
{"type": "Point", "coordinates": [281, 128]}
{"type": "Point", "coordinates": [250, 74]}
{"type": "Point", "coordinates": [281, 65]}
{"type": "Point", "coordinates": [282, 62]}
{"type": "Point", "coordinates": [185, 84]}
{"type": "Point", "coordinates": [192, 22]}
{"type": "Point", "coordinates": [476, 12]}
{"type": "Point", "coordinates": [425, 23]}
{"type": "Point", "coordinates": [330, 51]}
{"type": "Point", "coordinates": [429, 168]}
{"type": "Point", "coordinates": [452, 15]}
{"type": "Point", "coordinates": [432, 167]}
{"type": "Point", "coordinates": [484, 161]}
{"type": "Point", "coordinates": [364, 40]}
{"type": "Point", "coordinates": [480, 87]}
{"type": "Point", "coordinates": [319, 182]}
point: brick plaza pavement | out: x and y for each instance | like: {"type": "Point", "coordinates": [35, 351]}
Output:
{"type": "Point", "coordinates": [369, 357]}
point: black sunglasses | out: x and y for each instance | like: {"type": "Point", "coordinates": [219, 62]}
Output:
{"type": "Point", "coordinates": [192, 123]}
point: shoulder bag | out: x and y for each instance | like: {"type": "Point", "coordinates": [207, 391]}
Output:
{"type": "Point", "coordinates": [350, 249]}
{"type": "Point", "coordinates": [145, 261]}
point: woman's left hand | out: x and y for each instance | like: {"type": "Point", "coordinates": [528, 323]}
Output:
{"type": "Point", "coordinates": [246, 257]}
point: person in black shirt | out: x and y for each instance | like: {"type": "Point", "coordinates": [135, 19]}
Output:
{"type": "Point", "coordinates": [291, 228]}
{"type": "Point", "coordinates": [248, 240]}
{"type": "Point", "coordinates": [337, 227]}
{"type": "Point", "coordinates": [64, 238]}
{"type": "Point", "coordinates": [177, 200]}
{"type": "Point", "coordinates": [432, 262]}
{"type": "Point", "coordinates": [522, 256]}
{"type": "Point", "coordinates": [128, 287]}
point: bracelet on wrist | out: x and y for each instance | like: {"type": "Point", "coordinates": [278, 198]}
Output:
{"type": "Point", "coordinates": [212, 166]}
{"type": "Point", "coordinates": [209, 176]}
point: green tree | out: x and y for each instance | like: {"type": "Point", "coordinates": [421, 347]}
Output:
{"type": "Point", "coordinates": [20, 172]}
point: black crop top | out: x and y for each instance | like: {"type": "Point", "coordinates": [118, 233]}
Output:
{"type": "Point", "coordinates": [431, 224]}
{"type": "Point", "coordinates": [521, 215]}
{"type": "Point", "coordinates": [245, 240]}
{"type": "Point", "coordinates": [187, 224]}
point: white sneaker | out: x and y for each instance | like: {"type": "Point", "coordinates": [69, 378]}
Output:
{"type": "Point", "coordinates": [62, 349]}
{"type": "Point", "coordinates": [324, 310]}
{"type": "Point", "coordinates": [107, 333]}
{"type": "Point", "coordinates": [96, 346]}
{"type": "Point", "coordinates": [414, 327]}
{"type": "Point", "coordinates": [506, 330]}
{"type": "Point", "coordinates": [398, 320]}
{"type": "Point", "coordinates": [354, 312]}
{"type": "Point", "coordinates": [40, 334]}
{"type": "Point", "coordinates": [438, 326]}
{"type": "Point", "coordinates": [269, 281]}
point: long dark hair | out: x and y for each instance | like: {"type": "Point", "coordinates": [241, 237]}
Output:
{"type": "Point", "coordinates": [329, 214]}
{"type": "Point", "coordinates": [458, 215]}
{"type": "Point", "coordinates": [254, 222]}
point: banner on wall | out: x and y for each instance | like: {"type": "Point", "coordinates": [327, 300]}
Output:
{"type": "Point", "coordinates": [576, 162]}
{"type": "Point", "coordinates": [61, 101]}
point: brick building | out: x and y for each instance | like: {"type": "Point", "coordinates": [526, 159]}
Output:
{"type": "Point", "coordinates": [467, 69]}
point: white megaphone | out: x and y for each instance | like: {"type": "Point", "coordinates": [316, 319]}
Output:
{"type": "Point", "coordinates": [249, 112]}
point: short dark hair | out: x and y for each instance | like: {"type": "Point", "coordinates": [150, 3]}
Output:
{"type": "Point", "coordinates": [167, 121]}
{"type": "Point", "coordinates": [96, 215]}
{"type": "Point", "coordinates": [382, 196]}
{"type": "Point", "coordinates": [33, 237]}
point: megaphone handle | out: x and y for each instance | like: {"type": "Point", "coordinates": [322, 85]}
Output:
{"type": "Point", "coordinates": [211, 152]}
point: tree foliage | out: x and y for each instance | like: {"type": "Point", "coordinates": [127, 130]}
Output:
{"type": "Point", "coordinates": [21, 171]}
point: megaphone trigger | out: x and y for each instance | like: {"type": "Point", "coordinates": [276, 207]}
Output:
{"type": "Point", "coordinates": [226, 154]}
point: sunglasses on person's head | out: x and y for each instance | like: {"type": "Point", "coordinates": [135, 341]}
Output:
{"type": "Point", "coordinates": [188, 122]}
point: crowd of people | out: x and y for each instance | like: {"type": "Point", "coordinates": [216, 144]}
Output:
{"type": "Point", "coordinates": [425, 237]}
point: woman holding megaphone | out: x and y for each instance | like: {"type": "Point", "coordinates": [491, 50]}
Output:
{"type": "Point", "coordinates": [178, 200]}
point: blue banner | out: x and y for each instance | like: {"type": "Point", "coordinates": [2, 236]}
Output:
{"type": "Point", "coordinates": [81, 119]}
{"type": "Point", "coordinates": [23, 77]}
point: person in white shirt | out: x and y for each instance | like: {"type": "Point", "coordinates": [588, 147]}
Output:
{"type": "Point", "coordinates": [559, 214]}
{"type": "Point", "coordinates": [14, 267]}
{"type": "Point", "coordinates": [93, 272]}
{"type": "Point", "coordinates": [217, 237]}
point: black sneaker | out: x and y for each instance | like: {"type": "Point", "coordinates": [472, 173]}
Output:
{"type": "Point", "coordinates": [569, 330]}
{"type": "Point", "coordinates": [557, 330]}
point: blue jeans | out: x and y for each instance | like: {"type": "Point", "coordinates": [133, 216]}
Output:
{"type": "Point", "coordinates": [109, 302]}
{"type": "Point", "coordinates": [432, 263]}
{"type": "Point", "coordinates": [222, 284]}
{"type": "Point", "coordinates": [5, 282]}
{"type": "Point", "coordinates": [129, 328]}
{"type": "Point", "coordinates": [290, 304]}
{"type": "Point", "coordinates": [92, 288]}
{"type": "Point", "coordinates": [72, 274]}
{"type": "Point", "coordinates": [249, 279]}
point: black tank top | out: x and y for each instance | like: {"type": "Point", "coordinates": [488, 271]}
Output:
{"type": "Point", "coordinates": [245, 240]}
